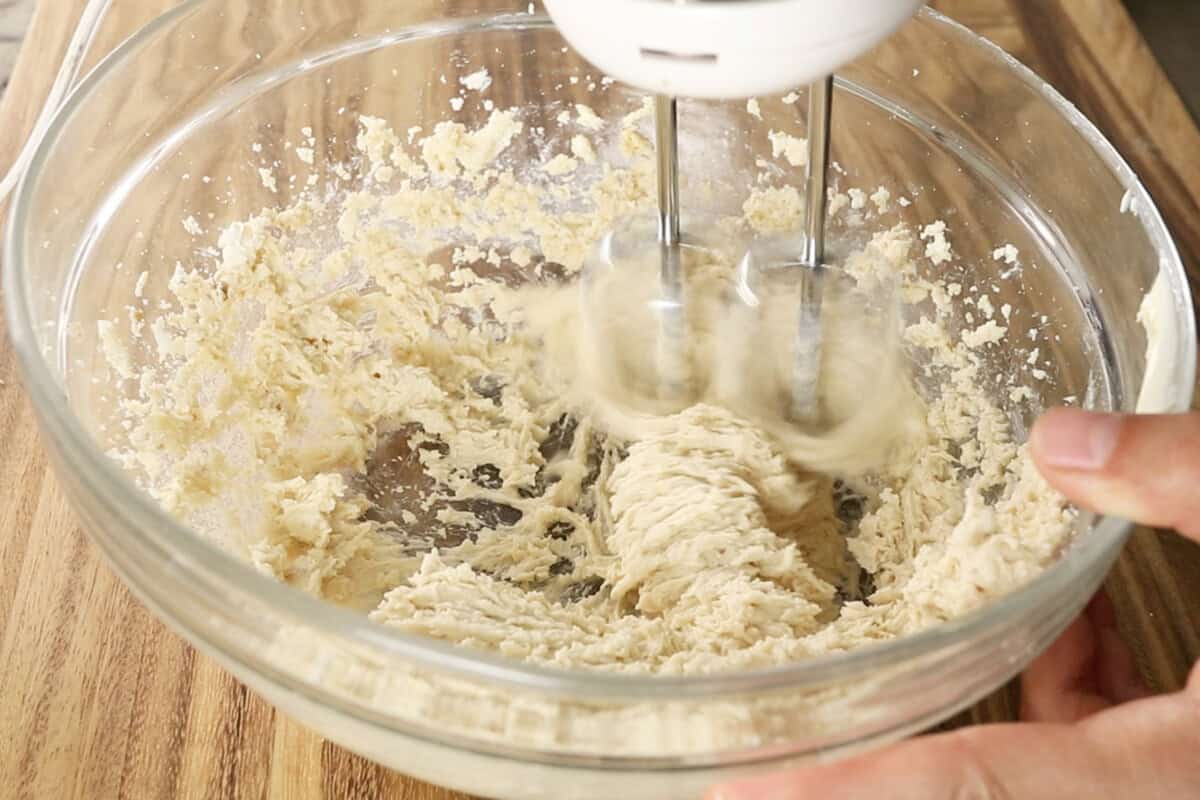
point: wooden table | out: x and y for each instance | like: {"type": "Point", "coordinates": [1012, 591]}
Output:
{"type": "Point", "coordinates": [99, 700]}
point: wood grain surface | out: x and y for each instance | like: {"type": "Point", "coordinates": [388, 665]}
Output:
{"type": "Point", "coordinates": [100, 700]}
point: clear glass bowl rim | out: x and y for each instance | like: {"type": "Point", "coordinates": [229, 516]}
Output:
{"type": "Point", "coordinates": [171, 544]}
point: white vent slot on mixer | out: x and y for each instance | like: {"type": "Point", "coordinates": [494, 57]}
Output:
{"type": "Point", "coordinates": [691, 58]}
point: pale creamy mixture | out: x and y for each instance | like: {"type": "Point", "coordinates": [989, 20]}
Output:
{"type": "Point", "coordinates": [364, 398]}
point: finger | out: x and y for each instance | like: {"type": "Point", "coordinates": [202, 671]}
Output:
{"type": "Point", "coordinates": [1060, 685]}
{"type": "Point", "coordinates": [1150, 746]}
{"type": "Point", "coordinates": [1087, 669]}
{"type": "Point", "coordinates": [1016, 760]}
{"type": "Point", "coordinates": [1117, 676]}
{"type": "Point", "coordinates": [1143, 468]}
{"type": "Point", "coordinates": [1143, 749]}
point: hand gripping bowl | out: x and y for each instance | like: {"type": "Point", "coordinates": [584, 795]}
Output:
{"type": "Point", "coordinates": [945, 110]}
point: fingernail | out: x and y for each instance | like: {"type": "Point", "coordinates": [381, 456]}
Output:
{"type": "Point", "coordinates": [1077, 440]}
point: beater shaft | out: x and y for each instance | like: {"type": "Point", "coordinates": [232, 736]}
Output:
{"type": "Point", "coordinates": [805, 380]}
{"type": "Point", "coordinates": [666, 143]}
{"type": "Point", "coordinates": [820, 108]}
{"type": "Point", "coordinates": [672, 345]}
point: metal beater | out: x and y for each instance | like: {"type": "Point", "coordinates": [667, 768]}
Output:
{"type": "Point", "coordinates": [714, 49]}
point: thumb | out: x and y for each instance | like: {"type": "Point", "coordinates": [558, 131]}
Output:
{"type": "Point", "coordinates": [1142, 468]}
{"type": "Point", "coordinates": [1141, 749]}
{"type": "Point", "coordinates": [997, 761]}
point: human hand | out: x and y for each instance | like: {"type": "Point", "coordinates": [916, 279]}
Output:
{"type": "Point", "coordinates": [1088, 728]}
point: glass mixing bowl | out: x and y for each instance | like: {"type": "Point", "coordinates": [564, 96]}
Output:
{"type": "Point", "coordinates": [936, 113]}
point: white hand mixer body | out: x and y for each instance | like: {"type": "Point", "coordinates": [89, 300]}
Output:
{"type": "Point", "coordinates": [722, 49]}
{"type": "Point", "coordinates": [717, 49]}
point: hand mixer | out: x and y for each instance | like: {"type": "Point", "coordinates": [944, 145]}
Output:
{"type": "Point", "coordinates": [714, 49]}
